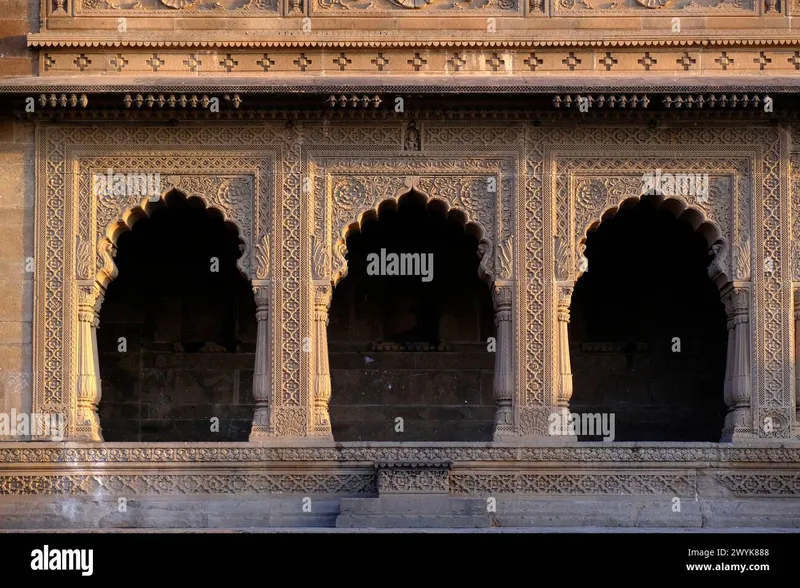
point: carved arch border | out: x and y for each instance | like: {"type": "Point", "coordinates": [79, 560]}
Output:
{"type": "Point", "coordinates": [754, 224]}
{"type": "Point", "coordinates": [483, 185]}
{"type": "Point", "coordinates": [72, 244]}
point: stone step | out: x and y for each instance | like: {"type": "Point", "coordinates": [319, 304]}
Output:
{"type": "Point", "coordinates": [413, 511]}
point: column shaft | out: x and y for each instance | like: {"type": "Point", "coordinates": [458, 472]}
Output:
{"type": "Point", "coordinates": [322, 377]}
{"type": "Point", "coordinates": [504, 361]}
{"type": "Point", "coordinates": [87, 426]}
{"type": "Point", "coordinates": [738, 388]}
{"type": "Point", "coordinates": [262, 381]}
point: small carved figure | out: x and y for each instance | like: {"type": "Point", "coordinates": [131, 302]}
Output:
{"type": "Point", "coordinates": [412, 141]}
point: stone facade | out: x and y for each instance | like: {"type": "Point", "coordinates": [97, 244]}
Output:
{"type": "Point", "coordinates": [294, 122]}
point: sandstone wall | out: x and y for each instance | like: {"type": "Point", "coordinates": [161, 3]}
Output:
{"type": "Point", "coordinates": [17, 19]}
{"type": "Point", "coordinates": [16, 257]}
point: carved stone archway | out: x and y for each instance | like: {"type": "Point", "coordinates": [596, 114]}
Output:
{"type": "Point", "coordinates": [482, 190]}
{"type": "Point", "coordinates": [596, 199]}
{"type": "Point", "coordinates": [116, 214]}
{"type": "Point", "coordinates": [77, 230]}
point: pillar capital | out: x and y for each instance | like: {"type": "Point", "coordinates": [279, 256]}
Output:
{"type": "Point", "coordinates": [90, 299]}
{"type": "Point", "coordinates": [564, 299]}
{"type": "Point", "coordinates": [323, 294]}
{"type": "Point", "coordinates": [502, 296]}
{"type": "Point", "coordinates": [736, 298]}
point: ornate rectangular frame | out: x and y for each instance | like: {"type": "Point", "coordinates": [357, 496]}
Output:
{"type": "Point", "coordinates": [257, 172]}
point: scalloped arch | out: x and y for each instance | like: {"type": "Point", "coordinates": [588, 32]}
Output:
{"type": "Point", "coordinates": [718, 242]}
{"type": "Point", "coordinates": [485, 245]}
{"type": "Point", "coordinates": [107, 245]}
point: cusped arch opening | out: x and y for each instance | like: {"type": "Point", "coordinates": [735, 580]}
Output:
{"type": "Point", "coordinates": [437, 208]}
{"type": "Point", "coordinates": [412, 345]}
{"type": "Point", "coordinates": [690, 215]}
{"type": "Point", "coordinates": [170, 198]}
{"type": "Point", "coordinates": [647, 331]}
{"type": "Point", "coordinates": [177, 329]}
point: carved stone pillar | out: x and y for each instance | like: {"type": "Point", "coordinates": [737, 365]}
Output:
{"type": "Point", "coordinates": [502, 294]}
{"type": "Point", "coordinates": [323, 292]}
{"type": "Point", "coordinates": [262, 380]}
{"type": "Point", "coordinates": [87, 425]}
{"type": "Point", "coordinates": [738, 388]}
{"type": "Point", "coordinates": [564, 393]}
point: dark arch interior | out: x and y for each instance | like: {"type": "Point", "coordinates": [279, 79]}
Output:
{"type": "Point", "coordinates": [401, 347]}
{"type": "Point", "coordinates": [190, 331]}
{"type": "Point", "coordinates": [647, 284]}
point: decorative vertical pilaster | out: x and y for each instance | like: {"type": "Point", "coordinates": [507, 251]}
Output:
{"type": "Point", "coordinates": [262, 380]}
{"type": "Point", "coordinates": [323, 292]}
{"type": "Point", "coordinates": [87, 424]}
{"type": "Point", "coordinates": [502, 294]}
{"type": "Point", "coordinates": [796, 397]}
{"type": "Point", "coordinates": [738, 386]}
{"type": "Point", "coordinates": [564, 393]}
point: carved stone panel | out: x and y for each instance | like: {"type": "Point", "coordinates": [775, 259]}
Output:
{"type": "Point", "coordinates": [178, 8]}
{"type": "Point", "coordinates": [451, 8]}
{"type": "Point", "coordinates": [605, 9]}
{"type": "Point", "coordinates": [476, 180]}
{"type": "Point", "coordinates": [744, 206]}
{"type": "Point", "coordinates": [73, 212]}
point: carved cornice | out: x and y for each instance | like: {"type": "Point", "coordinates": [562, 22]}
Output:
{"type": "Point", "coordinates": [466, 39]}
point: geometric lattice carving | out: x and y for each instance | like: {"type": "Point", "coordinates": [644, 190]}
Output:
{"type": "Point", "coordinates": [771, 484]}
{"type": "Point", "coordinates": [203, 453]}
{"type": "Point", "coordinates": [570, 484]}
{"type": "Point", "coordinates": [166, 484]}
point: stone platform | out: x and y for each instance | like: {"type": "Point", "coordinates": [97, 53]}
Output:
{"type": "Point", "coordinates": [391, 486]}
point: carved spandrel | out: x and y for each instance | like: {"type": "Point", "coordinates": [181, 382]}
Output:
{"type": "Point", "coordinates": [719, 267]}
{"type": "Point", "coordinates": [563, 258]}
{"type": "Point", "coordinates": [262, 255]}
{"type": "Point", "coordinates": [505, 258]}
